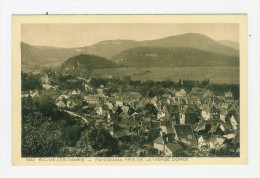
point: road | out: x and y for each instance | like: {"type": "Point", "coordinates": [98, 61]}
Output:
{"type": "Point", "coordinates": [76, 115]}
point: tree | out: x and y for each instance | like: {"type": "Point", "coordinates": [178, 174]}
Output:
{"type": "Point", "coordinates": [30, 82]}
{"type": "Point", "coordinates": [40, 141]}
{"type": "Point", "coordinates": [151, 109]}
{"type": "Point", "coordinates": [100, 138]}
{"type": "Point", "coordinates": [46, 105]}
{"type": "Point", "coordinates": [71, 134]}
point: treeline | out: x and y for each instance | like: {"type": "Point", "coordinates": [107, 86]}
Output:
{"type": "Point", "coordinates": [147, 88]}
{"type": "Point", "coordinates": [151, 88]}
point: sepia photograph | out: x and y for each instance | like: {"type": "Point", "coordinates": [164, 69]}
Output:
{"type": "Point", "coordinates": [115, 88]}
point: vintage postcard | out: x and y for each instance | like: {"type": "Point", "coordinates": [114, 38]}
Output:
{"type": "Point", "coordinates": [129, 89]}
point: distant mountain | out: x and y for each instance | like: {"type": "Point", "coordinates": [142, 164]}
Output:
{"type": "Point", "coordinates": [109, 48]}
{"type": "Point", "coordinates": [37, 55]}
{"type": "Point", "coordinates": [87, 62]}
{"type": "Point", "coordinates": [172, 57]}
{"type": "Point", "coordinates": [40, 55]}
{"type": "Point", "coordinates": [191, 40]}
{"type": "Point", "coordinates": [231, 44]}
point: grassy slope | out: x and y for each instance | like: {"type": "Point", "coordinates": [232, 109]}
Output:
{"type": "Point", "coordinates": [172, 57]}
{"type": "Point", "coordinates": [215, 74]}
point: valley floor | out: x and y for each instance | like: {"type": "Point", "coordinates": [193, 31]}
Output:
{"type": "Point", "coordinates": [214, 74]}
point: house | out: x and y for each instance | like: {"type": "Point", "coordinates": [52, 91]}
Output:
{"type": "Point", "coordinates": [87, 87]}
{"type": "Point", "coordinates": [34, 94]}
{"type": "Point", "coordinates": [201, 142]}
{"type": "Point", "coordinates": [48, 87]}
{"type": "Point", "coordinates": [99, 110]}
{"type": "Point", "coordinates": [25, 94]}
{"type": "Point", "coordinates": [215, 127]}
{"type": "Point", "coordinates": [184, 133]}
{"type": "Point", "coordinates": [45, 79]}
{"type": "Point", "coordinates": [119, 103]}
{"type": "Point", "coordinates": [160, 114]}
{"type": "Point", "coordinates": [210, 112]}
{"type": "Point", "coordinates": [233, 122]}
{"type": "Point", "coordinates": [188, 115]}
{"type": "Point", "coordinates": [156, 124]}
{"type": "Point", "coordinates": [75, 92]}
{"type": "Point", "coordinates": [134, 95]}
{"type": "Point", "coordinates": [225, 127]}
{"type": "Point", "coordinates": [31, 93]}
{"type": "Point", "coordinates": [216, 141]}
{"type": "Point", "coordinates": [109, 105]}
{"type": "Point", "coordinates": [161, 141]}
{"type": "Point", "coordinates": [205, 112]}
{"type": "Point", "coordinates": [174, 111]}
{"type": "Point", "coordinates": [193, 100]}
{"type": "Point", "coordinates": [171, 149]}
{"type": "Point", "coordinates": [127, 96]}
{"type": "Point", "coordinates": [62, 98]}
{"type": "Point", "coordinates": [71, 104]}
{"type": "Point", "coordinates": [196, 92]}
{"type": "Point", "coordinates": [229, 136]}
{"type": "Point", "coordinates": [165, 97]}
{"type": "Point", "coordinates": [165, 144]}
{"type": "Point", "coordinates": [92, 99]}
{"type": "Point", "coordinates": [166, 127]}
{"type": "Point", "coordinates": [208, 94]}
{"type": "Point", "coordinates": [223, 115]}
{"type": "Point", "coordinates": [181, 93]}
{"type": "Point", "coordinates": [100, 90]}
{"type": "Point", "coordinates": [202, 127]}
{"type": "Point", "coordinates": [61, 104]}
{"type": "Point", "coordinates": [125, 109]}
{"type": "Point", "coordinates": [214, 112]}
{"type": "Point", "coordinates": [228, 95]}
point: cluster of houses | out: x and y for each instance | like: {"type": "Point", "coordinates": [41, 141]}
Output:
{"type": "Point", "coordinates": [197, 119]}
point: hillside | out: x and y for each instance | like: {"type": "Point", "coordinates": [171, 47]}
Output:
{"type": "Point", "coordinates": [38, 55]}
{"type": "Point", "coordinates": [193, 40]}
{"type": "Point", "coordinates": [172, 57]}
{"type": "Point", "coordinates": [231, 44]}
{"type": "Point", "coordinates": [87, 62]}
{"type": "Point", "coordinates": [109, 48]}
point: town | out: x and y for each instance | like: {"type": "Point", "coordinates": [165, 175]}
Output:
{"type": "Point", "coordinates": [119, 117]}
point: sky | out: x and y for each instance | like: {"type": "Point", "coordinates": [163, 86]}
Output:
{"type": "Point", "coordinates": [78, 35]}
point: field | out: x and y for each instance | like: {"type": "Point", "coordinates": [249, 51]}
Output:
{"type": "Point", "coordinates": [214, 74]}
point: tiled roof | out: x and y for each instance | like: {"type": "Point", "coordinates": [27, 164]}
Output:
{"type": "Point", "coordinates": [185, 133]}
{"type": "Point", "coordinates": [173, 147]}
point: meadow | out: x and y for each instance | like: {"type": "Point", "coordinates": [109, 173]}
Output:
{"type": "Point", "coordinates": [229, 75]}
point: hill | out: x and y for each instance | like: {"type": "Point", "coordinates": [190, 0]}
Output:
{"type": "Point", "coordinates": [89, 62]}
{"type": "Point", "coordinates": [172, 57]}
{"type": "Point", "coordinates": [39, 55]}
{"type": "Point", "coordinates": [109, 48]}
{"type": "Point", "coordinates": [191, 40]}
